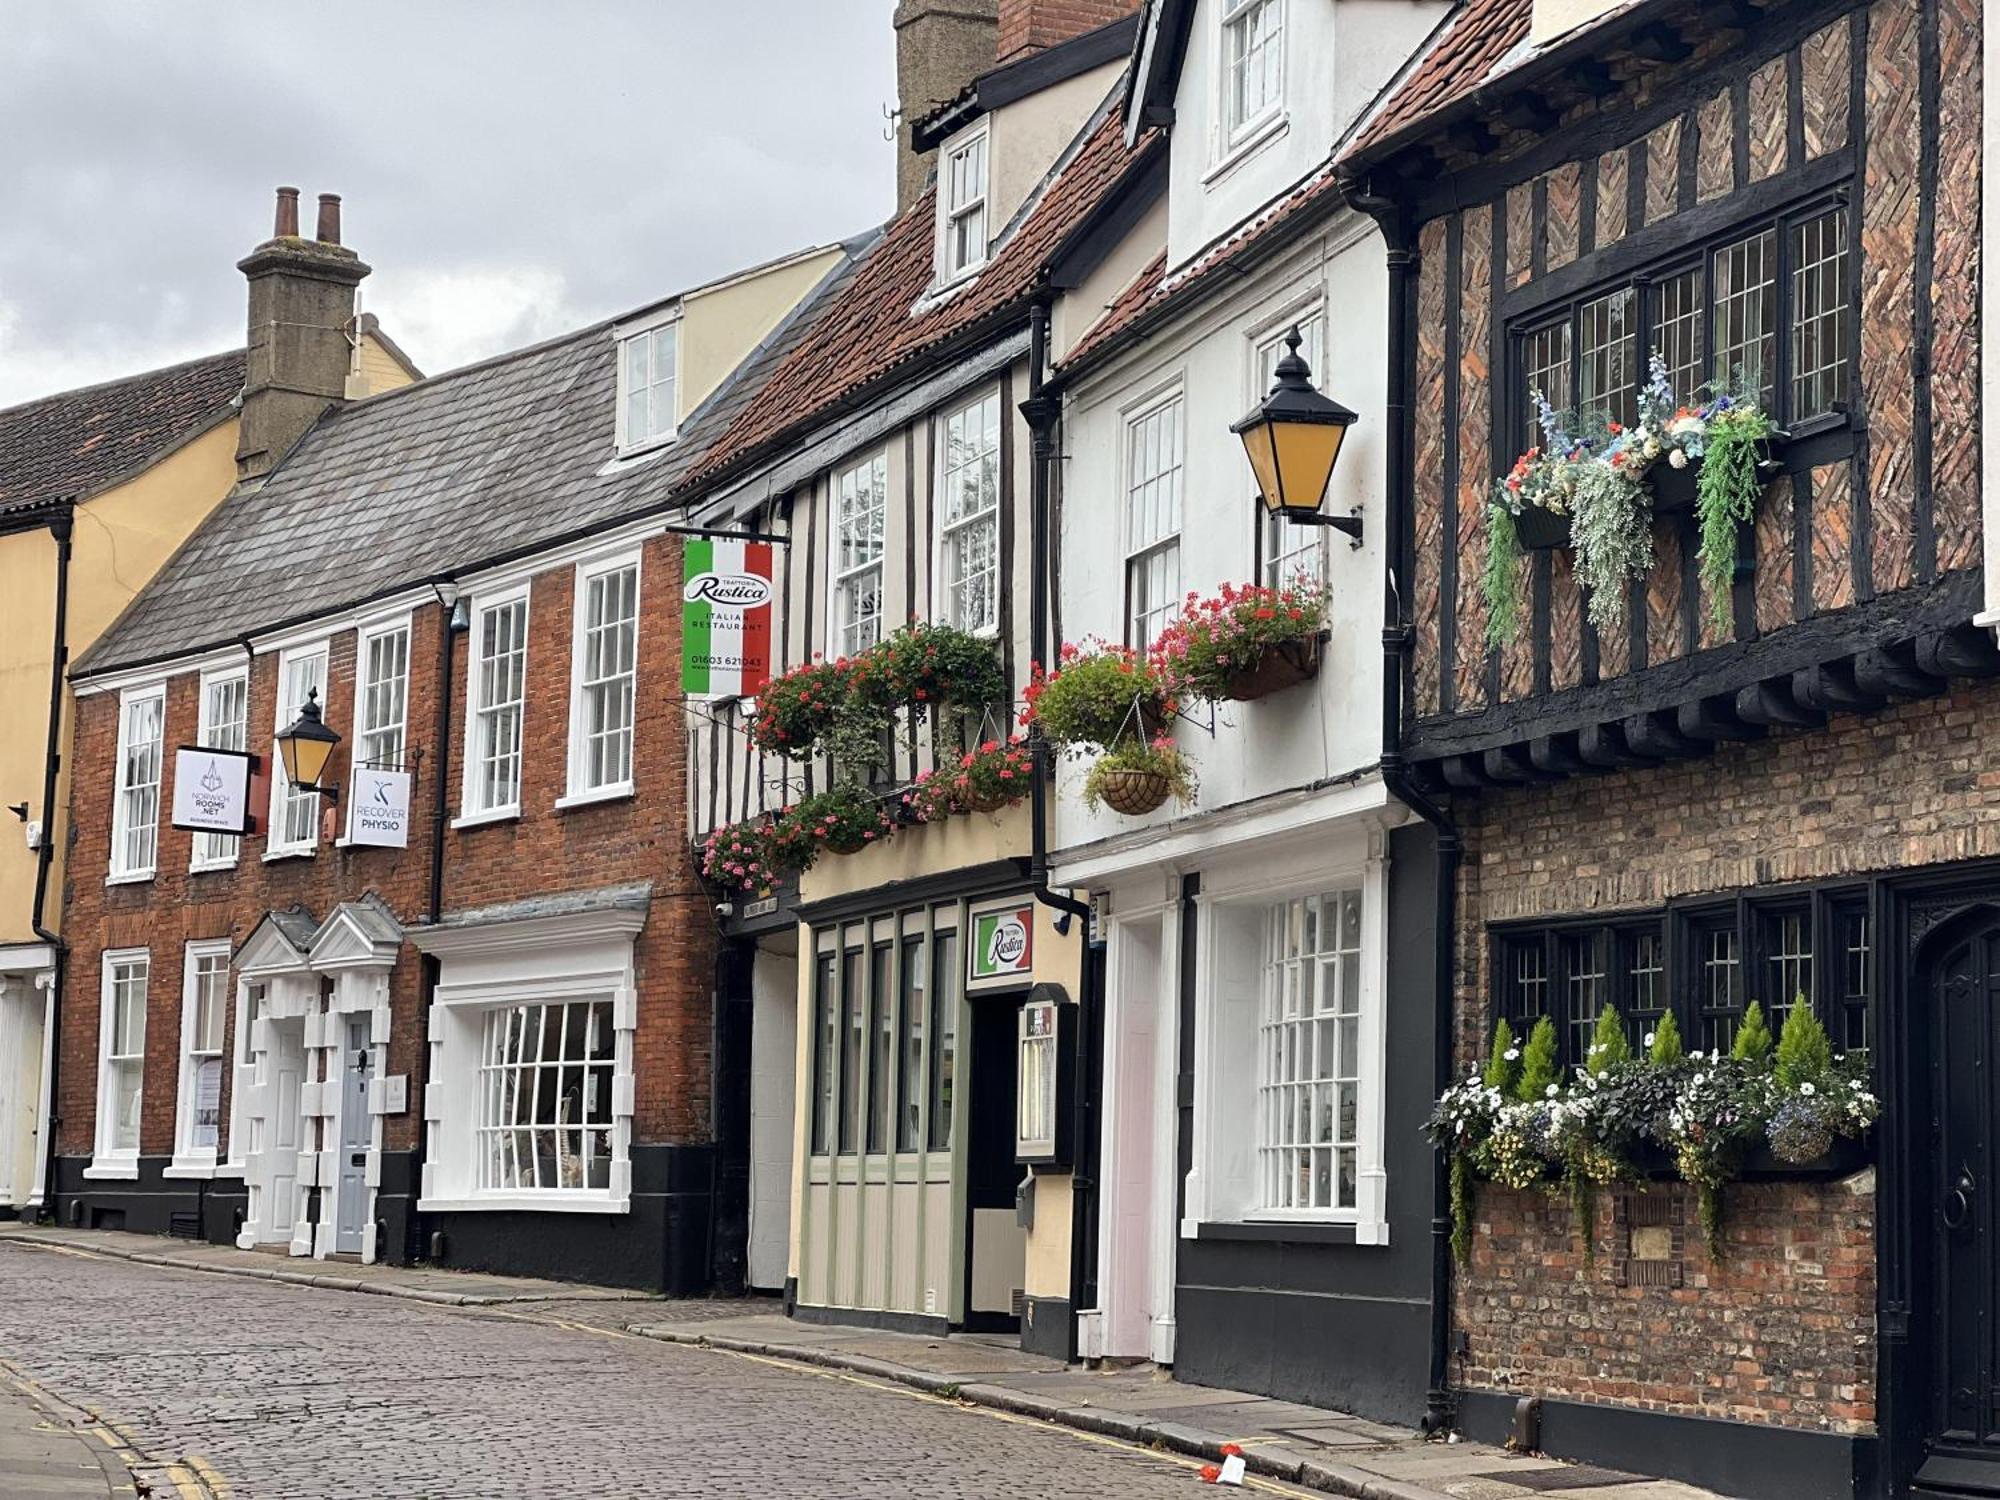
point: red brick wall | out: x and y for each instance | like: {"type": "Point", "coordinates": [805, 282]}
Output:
{"type": "Point", "coordinates": [1782, 1328]}
{"type": "Point", "coordinates": [1032, 25]}
{"type": "Point", "coordinates": [545, 851]}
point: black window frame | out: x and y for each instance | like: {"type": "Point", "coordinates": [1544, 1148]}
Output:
{"type": "Point", "coordinates": [1697, 253]}
{"type": "Point", "coordinates": [1681, 932]}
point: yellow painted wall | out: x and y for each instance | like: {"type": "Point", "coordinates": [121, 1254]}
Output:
{"type": "Point", "coordinates": [123, 536]}
{"type": "Point", "coordinates": [722, 324]}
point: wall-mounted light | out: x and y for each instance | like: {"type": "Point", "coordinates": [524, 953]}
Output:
{"type": "Point", "coordinates": [1293, 440]}
{"type": "Point", "coordinates": [305, 748]}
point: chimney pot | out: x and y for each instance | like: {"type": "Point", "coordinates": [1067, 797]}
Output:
{"type": "Point", "coordinates": [287, 223]}
{"type": "Point", "coordinates": [329, 219]}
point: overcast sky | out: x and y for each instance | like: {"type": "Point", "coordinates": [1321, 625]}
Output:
{"type": "Point", "coordinates": [510, 168]}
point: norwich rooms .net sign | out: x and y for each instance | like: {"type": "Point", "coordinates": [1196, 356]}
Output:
{"type": "Point", "coordinates": [726, 618]}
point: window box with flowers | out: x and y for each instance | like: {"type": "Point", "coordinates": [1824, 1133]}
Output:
{"type": "Point", "coordinates": [1792, 1109]}
{"type": "Point", "coordinates": [1245, 643]}
{"type": "Point", "coordinates": [996, 774]}
{"type": "Point", "coordinates": [1597, 493]}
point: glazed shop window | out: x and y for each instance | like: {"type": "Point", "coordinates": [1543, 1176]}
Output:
{"type": "Point", "coordinates": [1705, 964]}
{"type": "Point", "coordinates": [1768, 308]}
{"type": "Point", "coordinates": [1309, 1075]}
{"type": "Point", "coordinates": [545, 1097]}
{"type": "Point", "coordinates": [885, 1038]}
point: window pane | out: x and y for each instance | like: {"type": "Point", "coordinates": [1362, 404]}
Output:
{"type": "Point", "coordinates": [500, 683]}
{"type": "Point", "coordinates": [545, 1120]}
{"type": "Point", "coordinates": [297, 813]}
{"type": "Point", "coordinates": [1253, 33]}
{"type": "Point", "coordinates": [1309, 1066]}
{"type": "Point", "coordinates": [1606, 371]}
{"type": "Point", "coordinates": [1819, 314]}
{"type": "Point", "coordinates": [969, 514]}
{"type": "Point", "coordinates": [1721, 986]}
{"type": "Point", "coordinates": [944, 1034]}
{"type": "Point", "coordinates": [912, 1014]}
{"type": "Point", "coordinates": [881, 1053]}
{"type": "Point", "coordinates": [1856, 976]}
{"type": "Point", "coordinates": [1677, 321]}
{"type": "Point", "coordinates": [826, 1038]}
{"type": "Point", "coordinates": [854, 1017]}
{"type": "Point", "coordinates": [1790, 959]}
{"type": "Point", "coordinates": [135, 843]}
{"type": "Point", "coordinates": [384, 693]}
{"type": "Point", "coordinates": [1746, 313]}
{"type": "Point", "coordinates": [608, 681]}
{"type": "Point", "coordinates": [860, 505]}
{"type": "Point", "coordinates": [1584, 981]}
{"type": "Point", "coordinates": [1646, 978]}
{"type": "Point", "coordinates": [1544, 372]}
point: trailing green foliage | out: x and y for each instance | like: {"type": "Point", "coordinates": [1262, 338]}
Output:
{"type": "Point", "coordinates": [1726, 494]}
{"type": "Point", "coordinates": [1502, 580]}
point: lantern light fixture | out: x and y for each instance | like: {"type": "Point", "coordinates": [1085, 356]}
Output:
{"type": "Point", "coordinates": [305, 748]}
{"type": "Point", "coordinates": [1293, 440]}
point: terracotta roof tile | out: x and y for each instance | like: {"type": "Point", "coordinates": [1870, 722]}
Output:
{"type": "Point", "coordinates": [1467, 54]}
{"type": "Point", "coordinates": [1152, 289]}
{"type": "Point", "coordinates": [870, 331]}
{"type": "Point", "coordinates": [80, 442]}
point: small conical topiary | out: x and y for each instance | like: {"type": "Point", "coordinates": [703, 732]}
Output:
{"type": "Point", "coordinates": [1608, 1044]}
{"type": "Point", "coordinates": [1503, 1066]}
{"type": "Point", "coordinates": [1753, 1037]}
{"type": "Point", "coordinates": [1666, 1048]}
{"type": "Point", "coordinates": [1804, 1050]}
{"type": "Point", "coordinates": [1538, 1063]}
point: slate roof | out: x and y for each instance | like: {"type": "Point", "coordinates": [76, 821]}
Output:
{"type": "Point", "coordinates": [637, 896]}
{"type": "Point", "coordinates": [80, 443]}
{"type": "Point", "coordinates": [465, 469]}
{"type": "Point", "coordinates": [870, 336]}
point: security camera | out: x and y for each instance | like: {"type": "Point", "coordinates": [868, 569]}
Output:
{"type": "Point", "coordinates": [725, 908]}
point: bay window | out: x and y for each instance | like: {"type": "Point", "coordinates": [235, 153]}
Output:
{"type": "Point", "coordinates": [544, 1092]}
{"type": "Point", "coordinates": [121, 1060]}
{"type": "Point", "coordinates": [1765, 309]}
{"type": "Point", "coordinates": [224, 724]}
{"type": "Point", "coordinates": [1154, 458]}
{"type": "Point", "coordinates": [969, 515]}
{"type": "Point", "coordinates": [294, 826]}
{"type": "Point", "coordinates": [860, 510]}
{"type": "Point", "coordinates": [605, 663]}
{"type": "Point", "coordinates": [135, 814]}
{"type": "Point", "coordinates": [496, 695]}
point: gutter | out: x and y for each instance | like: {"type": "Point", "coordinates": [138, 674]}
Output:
{"type": "Point", "coordinates": [61, 527]}
{"type": "Point", "coordinates": [1397, 639]}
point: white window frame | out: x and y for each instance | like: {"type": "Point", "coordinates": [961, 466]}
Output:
{"type": "Point", "coordinates": [952, 211]}
{"type": "Point", "coordinates": [1142, 626]}
{"type": "Point", "coordinates": [243, 1071]}
{"type": "Point", "coordinates": [219, 851]}
{"type": "Point", "coordinates": [471, 810]}
{"type": "Point", "coordinates": [365, 730]}
{"type": "Point", "coordinates": [107, 1158]}
{"type": "Point", "coordinates": [499, 1076]}
{"type": "Point", "coordinates": [191, 1160]}
{"type": "Point", "coordinates": [1225, 1185]}
{"type": "Point", "coordinates": [122, 824]}
{"type": "Point", "coordinates": [841, 578]}
{"type": "Point", "coordinates": [949, 532]}
{"type": "Point", "coordinates": [276, 844]}
{"type": "Point", "coordinates": [1301, 1033]}
{"type": "Point", "coordinates": [1280, 541]}
{"type": "Point", "coordinates": [649, 329]}
{"type": "Point", "coordinates": [580, 787]}
{"type": "Point", "coordinates": [1241, 133]}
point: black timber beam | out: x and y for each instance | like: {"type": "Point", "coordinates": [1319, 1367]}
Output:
{"type": "Point", "coordinates": [1773, 705]}
{"type": "Point", "coordinates": [1967, 651]}
{"type": "Point", "coordinates": [1713, 719]}
{"type": "Point", "coordinates": [1892, 671]}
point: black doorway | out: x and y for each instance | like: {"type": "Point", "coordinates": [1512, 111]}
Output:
{"type": "Point", "coordinates": [1954, 1204]}
{"type": "Point", "coordinates": [991, 1173]}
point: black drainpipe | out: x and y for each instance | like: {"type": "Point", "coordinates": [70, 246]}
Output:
{"type": "Point", "coordinates": [1043, 410]}
{"type": "Point", "coordinates": [1439, 1403]}
{"type": "Point", "coordinates": [415, 1247]}
{"type": "Point", "coordinates": [61, 527]}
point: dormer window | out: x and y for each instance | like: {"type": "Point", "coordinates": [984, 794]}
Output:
{"type": "Point", "coordinates": [962, 205]}
{"type": "Point", "coordinates": [648, 365]}
{"type": "Point", "coordinates": [1253, 65]}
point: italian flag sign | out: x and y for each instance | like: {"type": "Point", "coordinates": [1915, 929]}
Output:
{"type": "Point", "coordinates": [725, 618]}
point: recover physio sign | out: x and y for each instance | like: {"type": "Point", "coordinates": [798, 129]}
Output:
{"type": "Point", "coordinates": [380, 813]}
{"type": "Point", "coordinates": [726, 618]}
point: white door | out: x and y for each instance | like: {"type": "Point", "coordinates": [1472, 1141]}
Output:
{"type": "Point", "coordinates": [352, 1211]}
{"type": "Point", "coordinates": [20, 1083]}
{"type": "Point", "coordinates": [284, 1127]}
{"type": "Point", "coordinates": [1131, 1140]}
{"type": "Point", "coordinates": [774, 1032]}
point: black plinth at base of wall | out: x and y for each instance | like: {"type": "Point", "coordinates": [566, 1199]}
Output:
{"type": "Point", "coordinates": [1048, 1329]}
{"type": "Point", "coordinates": [202, 1209]}
{"type": "Point", "coordinates": [1745, 1459]}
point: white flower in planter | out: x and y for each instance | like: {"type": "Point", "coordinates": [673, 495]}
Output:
{"type": "Point", "coordinates": [1677, 459]}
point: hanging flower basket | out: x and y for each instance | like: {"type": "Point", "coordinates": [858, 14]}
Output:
{"type": "Point", "coordinates": [1280, 665]}
{"type": "Point", "coordinates": [847, 841]}
{"type": "Point", "coordinates": [1134, 793]}
{"type": "Point", "coordinates": [1541, 529]}
{"type": "Point", "coordinates": [984, 800]}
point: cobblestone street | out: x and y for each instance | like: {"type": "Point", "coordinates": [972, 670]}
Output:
{"type": "Point", "coordinates": [293, 1391]}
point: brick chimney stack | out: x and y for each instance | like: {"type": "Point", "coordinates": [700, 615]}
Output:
{"type": "Point", "coordinates": [1029, 26]}
{"type": "Point", "coordinates": [301, 315]}
{"type": "Point", "coordinates": [941, 46]}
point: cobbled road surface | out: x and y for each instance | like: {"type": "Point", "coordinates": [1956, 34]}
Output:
{"type": "Point", "coordinates": [294, 1391]}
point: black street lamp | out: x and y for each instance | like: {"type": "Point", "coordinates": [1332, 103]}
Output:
{"type": "Point", "coordinates": [1293, 439]}
{"type": "Point", "coordinates": [305, 747]}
